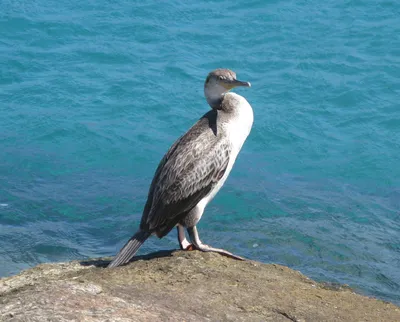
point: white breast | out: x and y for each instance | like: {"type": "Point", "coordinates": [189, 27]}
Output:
{"type": "Point", "coordinates": [237, 129]}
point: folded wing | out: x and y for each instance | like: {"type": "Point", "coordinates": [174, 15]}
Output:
{"type": "Point", "coordinates": [186, 174]}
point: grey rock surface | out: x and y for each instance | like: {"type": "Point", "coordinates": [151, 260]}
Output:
{"type": "Point", "coordinates": [180, 286]}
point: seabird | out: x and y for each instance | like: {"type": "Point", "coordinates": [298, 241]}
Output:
{"type": "Point", "coordinates": [195, 168]}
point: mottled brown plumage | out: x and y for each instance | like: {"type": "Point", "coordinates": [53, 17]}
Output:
{"type": "Point", "coordinates": [186, 175]}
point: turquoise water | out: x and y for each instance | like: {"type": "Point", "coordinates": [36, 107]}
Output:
{"type": "Point", "coordinates": [93, 93]}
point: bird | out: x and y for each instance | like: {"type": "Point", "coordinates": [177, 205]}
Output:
{"type": "Point", "coordinates": [195, 168]}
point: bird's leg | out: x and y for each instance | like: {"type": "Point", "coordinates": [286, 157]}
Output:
{"type": "Point", "coordinates": [183, 243]}
{"type": "Point", "coordinates": [194, 238]}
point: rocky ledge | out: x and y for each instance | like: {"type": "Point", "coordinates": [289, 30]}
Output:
{"type": "Point", "coordinates": [180, 286]}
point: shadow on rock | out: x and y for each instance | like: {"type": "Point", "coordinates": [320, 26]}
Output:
{"type": "Point", "coordinates": [103, 262]}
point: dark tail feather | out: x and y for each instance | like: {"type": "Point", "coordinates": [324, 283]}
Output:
{"type": "Point", "coordinates": [130, 248]}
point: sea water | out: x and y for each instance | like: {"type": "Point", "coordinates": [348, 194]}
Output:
{"type": "Point", "coordinates": [93, 93]}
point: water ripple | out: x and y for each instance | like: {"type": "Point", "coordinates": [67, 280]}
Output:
{"type": "Point", "coordinates": [93, 93]}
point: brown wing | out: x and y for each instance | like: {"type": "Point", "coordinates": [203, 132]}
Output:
{"type": "Point", "coordinates": [186, 174]}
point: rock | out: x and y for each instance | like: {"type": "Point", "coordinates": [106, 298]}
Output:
{"type": "Point", "coordinates": [181, 286]}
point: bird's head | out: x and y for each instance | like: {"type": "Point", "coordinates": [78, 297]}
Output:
{"type": "Point", "coordinates": [218, 83]}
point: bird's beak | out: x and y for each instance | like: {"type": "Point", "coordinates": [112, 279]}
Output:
{"type": "Point", "coordinates": [240, 83]}
{"type": "Point", "coordinates": [236, 83]}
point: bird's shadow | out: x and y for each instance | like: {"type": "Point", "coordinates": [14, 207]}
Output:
{"type": "Point", "coordinates": [103, 262]}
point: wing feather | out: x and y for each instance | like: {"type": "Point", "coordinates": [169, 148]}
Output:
{"type": "Point", "coordinates": [187, 173]}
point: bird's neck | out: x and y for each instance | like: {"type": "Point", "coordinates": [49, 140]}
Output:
{"type": "Point", "coordinates": [214, 95]}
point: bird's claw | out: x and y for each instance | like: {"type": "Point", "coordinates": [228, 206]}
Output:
{"type": "Point", "coordinates": [206, 248]}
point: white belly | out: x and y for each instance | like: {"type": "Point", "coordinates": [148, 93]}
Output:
{"type": "Point", "coordinates": [237, 130]}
